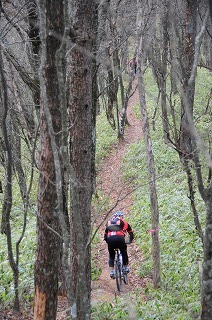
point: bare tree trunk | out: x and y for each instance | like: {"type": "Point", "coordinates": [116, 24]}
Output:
{"type": "Point", "coordinates": [185, 139]}
{"type": "Point", "coordinates": [164, 74]}
{"type": "Point", "coordinates": [190, 142]}
{"type": "Point", "coordinates": [49, 242]}
{"type": "Point", "coordinates": [81, 134]}
{"type": "Point", "coordinates": [191, 196]}
{"type": "Point", "coordinates": [151, 166]}
{"type": "Point", "coordinates": [207, 265]}
{"type": "Point", "coordinates": [111, 94]}
{"type": "Point", "coordinates": [34, 57]}
{"type": "Point", "coordinates": [7, 205]}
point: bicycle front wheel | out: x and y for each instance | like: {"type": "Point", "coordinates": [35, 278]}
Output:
{"type": "Point", "coordinates": [118, 275]}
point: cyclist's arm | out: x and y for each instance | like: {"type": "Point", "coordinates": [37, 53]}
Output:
{"type": "Point", "coordinates": [130, 231]}
{"type": "Point", "coordinates": [105, 234]}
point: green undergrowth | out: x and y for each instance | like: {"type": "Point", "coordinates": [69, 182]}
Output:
{"type": "Point", "coordinates": [120, 308]}
{"type": "Point", "coordinates": [180, 247]}
{"type": "Point", "coordinates": [26, 247]}
{"type": "Point", "coordinates": [26, 259]}
{"type": "Point", "coordinates": [96, 267]}
{"type": "Point", "coordinates": [105, 137]}
{"type": "Point", "coordinates": [181, 254]}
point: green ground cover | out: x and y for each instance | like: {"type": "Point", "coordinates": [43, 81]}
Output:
{"type": "Point", "coordinates": [180, 247]}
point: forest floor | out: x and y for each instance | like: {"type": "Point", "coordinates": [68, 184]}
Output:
{"type": "Point", "coordinates": [112, 185]}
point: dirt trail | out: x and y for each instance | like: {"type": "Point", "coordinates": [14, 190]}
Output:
{"type": "Point", "coordinates": [112, 185]}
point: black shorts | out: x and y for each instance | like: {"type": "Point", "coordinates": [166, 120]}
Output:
{"type": "Point", "coordinates": [117, 242]}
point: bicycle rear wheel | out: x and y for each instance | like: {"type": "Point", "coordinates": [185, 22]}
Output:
{"type": "Point", "coordinates": [118, 275]}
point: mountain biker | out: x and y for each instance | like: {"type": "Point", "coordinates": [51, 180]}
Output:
{"type": "Point", "coordinates": [133, 65]}
{"type": "Point", "coordinates": [114, 235]}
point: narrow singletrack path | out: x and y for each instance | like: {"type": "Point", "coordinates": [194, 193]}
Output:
{"type": "Point", "coordinates": [112, 185]}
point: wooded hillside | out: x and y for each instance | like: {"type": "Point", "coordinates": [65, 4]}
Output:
{"type": "Point", "coordinates": [67, 72]}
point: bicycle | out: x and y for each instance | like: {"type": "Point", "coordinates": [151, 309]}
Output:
{"type": "Point", "coordinates": [120, 274]}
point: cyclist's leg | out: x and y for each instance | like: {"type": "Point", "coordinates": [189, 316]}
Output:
{"type": "Point", "coordinates": [118, 274]}
{"type": "Point", "coordinates": [111, 251]}
{"type": "Point", "coordinates": [123, 249]}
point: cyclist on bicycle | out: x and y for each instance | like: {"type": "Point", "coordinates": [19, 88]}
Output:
{"type": "Point", "coordinates": [115, 231]}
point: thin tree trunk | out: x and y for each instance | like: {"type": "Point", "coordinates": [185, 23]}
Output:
{"type": "Point", "coordinates": [192, 201]}
{"type": "Point", "coordinates": [7, 205]}
{"type": "Point", "coordinates": [190, 142]}
{"type": "Point", "coordinates": [207, 265]}
{"type": "Point", "coordinates": [151, 171]}
{"type": "Point", "coordinates": [164, 74]}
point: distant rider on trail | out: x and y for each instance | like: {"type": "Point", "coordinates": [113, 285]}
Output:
{"type": "Point", "coordinates": [114, 235]}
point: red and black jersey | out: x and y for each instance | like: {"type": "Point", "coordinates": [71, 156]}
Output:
{"type": "Point", "coordinates": [118, 227]}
